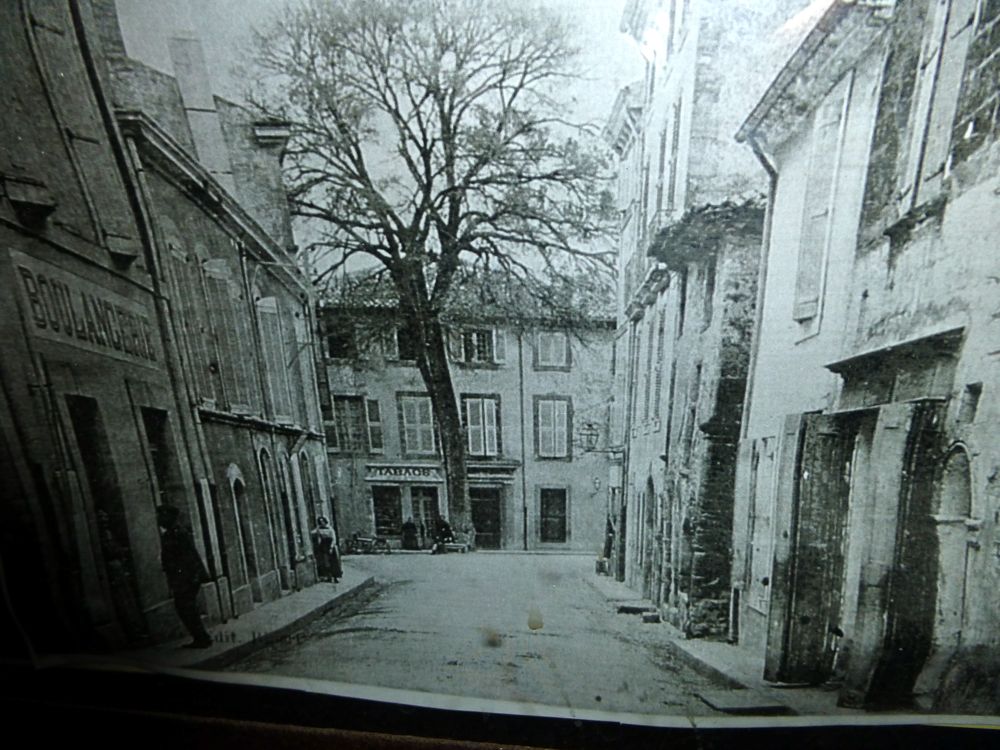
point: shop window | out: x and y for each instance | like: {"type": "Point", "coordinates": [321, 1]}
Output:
{"type": "Point", "coordinates": [552, 350]}
{"type": "Point", "coordinates": [417, 424]}
{"type": "Point", "coordinates": [554, 527]}
{"type": "Point", "coordinates": [552, 427]}
{"type": "Point", "coordinates": [481, 416]}
{"type": "Point", "coordinates": [387, 507]}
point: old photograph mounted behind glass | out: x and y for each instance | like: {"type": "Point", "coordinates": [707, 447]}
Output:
{"type": "Point", "coordinates": [625, 360]}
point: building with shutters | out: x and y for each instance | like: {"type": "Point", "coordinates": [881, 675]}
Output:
{"type": "Point", "coordinates": [865, 545]}
{"type": "Point", "coordinates": [692, 214]}
{"type": "Point", "coordinates": [208, 178]}
{"type": "Point", "coordinates": [534, 407]}
{"type": "Point", "coordinates": [156, 338]}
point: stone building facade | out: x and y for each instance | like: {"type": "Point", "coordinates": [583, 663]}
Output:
{"type": "Point", "coordinates": [534, 405]}
{"type": "Point", "coordinates": [866, 522]}
{"type": "Point", "coordinates": [692, 215]}
{"type": "Point", "coordinates": [126, 384]}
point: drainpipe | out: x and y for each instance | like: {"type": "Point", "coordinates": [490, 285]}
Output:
{"type": "Point", "coordinates": [772, 173]}
{"type": "Point", "coordinates": [524, 462]}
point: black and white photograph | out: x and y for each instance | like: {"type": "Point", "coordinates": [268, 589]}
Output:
{"type": "Point", "coordinates": [622, 361]}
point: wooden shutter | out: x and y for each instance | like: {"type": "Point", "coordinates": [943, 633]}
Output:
{"type": "Point", "coordinates": [411, 426]}
{"type": "Point", "coordinates": [374, 418]}
{"type": "Point", "coordinates": [817, 557]}
{"type": "Point", "coordinates": [788, 469]}
{"type": "Point", "coordinates": [277, 374]}
{"type": "Point", "coordinates": [561, 428]}
{"type": "Point", "coordinates": [499, 346]}
{"type": "Point", "coordinates": [951, 69]}
{"type": "Point", "coordinates": [426, 425]}
{"type": "Point", "coordinates": [545, 355]}
{"type": "Point", "coordinates": [930, 56]}
{"type": "Point", "coordinates": [490, 426]}
{"type": "Point", "coordinates": [475, 427]}
{"type": "Point", "coordinates": [819, 198]}
{"type": "Point", "coordinates": [455, 345]}
{"type": "Point", "coordinates": [546, 428]}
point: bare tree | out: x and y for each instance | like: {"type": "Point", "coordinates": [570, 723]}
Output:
{"type": "Point", "coordinates": [429, 137]}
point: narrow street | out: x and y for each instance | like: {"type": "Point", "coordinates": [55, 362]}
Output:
{"type": "Point", "coordinates": [510, 627]}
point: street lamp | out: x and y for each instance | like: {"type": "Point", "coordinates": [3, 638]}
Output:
{"type": "Point", "coordinates": [589, 434]}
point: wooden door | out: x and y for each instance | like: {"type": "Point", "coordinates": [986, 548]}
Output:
{"type": "Point", "coordinates": [486, 516]}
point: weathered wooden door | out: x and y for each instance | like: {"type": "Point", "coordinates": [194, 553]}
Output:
{"type": "Point", "coordinates": [808, 579]}
{"type": "Point", "coordinates": [485, 502]}
{"type": "Point", "coordinates": [910, 615]}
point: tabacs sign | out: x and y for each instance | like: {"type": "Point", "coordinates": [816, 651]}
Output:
{"type": "Point", "coordinates": [60, 306]}
{"type": "Point", "coordinates": [403, 473]}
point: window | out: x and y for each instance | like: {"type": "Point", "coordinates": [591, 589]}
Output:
{"type": "Point", "coordinates": [417, 424]}
{"type": "Point", "coordinates": [552, 350]}
{"type": "Point", "coordinates": [341, 342]}
{"type": "Point", "coordinates": [819, 200]}
{"type": "Point", "coordinates": [387, 507]}
{"type": "Point", "coordinates": [481, 417]}
{"type": "Point", "coordinates": [553, 527]}
{"type": "Point", "coordinates": [348, 428]}
{"type": "Point", "coordinates": [374, 418]}
{"type": "Point", "coordinates": [939, 79]}
{"type": "Point", "coordinates": [658, 375]}
{"type": "Point", "coordinates": [407, 343]}
{"type": "Point", "coordinates": [552, 427]}
{"type": "Point", "coordinates": [478, 346]}
{"type": "Point", "coordinates": [650, 363]}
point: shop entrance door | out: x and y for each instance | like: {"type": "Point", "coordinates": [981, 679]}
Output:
{"type": "Point", "coordinates": [485, 503]}
{"type": "Point", "coordinates": [425, 511]}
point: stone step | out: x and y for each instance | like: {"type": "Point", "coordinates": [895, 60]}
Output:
{"type": "Point", "coordinates": [742, 701]}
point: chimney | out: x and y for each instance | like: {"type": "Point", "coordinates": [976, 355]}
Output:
{"type": "Point", "coordinates": [199, 105]}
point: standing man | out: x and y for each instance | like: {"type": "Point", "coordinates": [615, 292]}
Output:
{"type": "Point", "coordinates": [185, 572]}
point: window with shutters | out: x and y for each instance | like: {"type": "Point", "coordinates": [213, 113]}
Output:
{"type": "Point", "coordinates": [478, 346]}
{"type": "Point", "coordinates": [341, 341]}
{"type": "Point", "coordinates": [416, 424]}
{"type": "Point", "coordinates": [271, 334]}
{"type": "Point", "coordinates": [305, 363]}
{"type": "Point", "coordinates": [481, 417]}
{"type": "Point", "coordinates": [949, 30]}
{"type": "Point", "coordinates": [228, 368]}
{"type": "Point", "coordinates": [658, 366]}
{"type": "Point", "coordinates": [190, 301]}
{"type": "Point", "coordinates": [553, 508]}
{"type": "Point", "coordinates": [553, 426]}
{"type": "Point", "coordinates": [552, 350]}
{"type": "Point", "coordinates": [824, 161]}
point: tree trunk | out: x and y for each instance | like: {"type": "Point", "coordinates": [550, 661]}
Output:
{"type": "Point", "coordinates": [433, 365]}
{"type": "Point", "coordinates": [432, 362]}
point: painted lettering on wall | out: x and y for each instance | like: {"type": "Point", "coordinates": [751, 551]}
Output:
{"type": "Point", "coordinates": [377, 472]}
{"type": "Point", "coordinates": [60, 306]}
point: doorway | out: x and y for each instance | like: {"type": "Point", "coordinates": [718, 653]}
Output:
{"type": "Point", "coordinates": [485, 505]}
{"type": "Point", "coordinates": [245, 535]}
{"type": "Point", "coordinates": [425, 512]}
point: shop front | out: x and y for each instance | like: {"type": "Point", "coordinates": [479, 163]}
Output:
{"type": "Point", "coordinates": [404, 493]}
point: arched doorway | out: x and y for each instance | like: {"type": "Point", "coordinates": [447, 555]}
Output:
{"type": "Point", "coordinates": [952, 513]}
{"type": "Point", "coordinates": [245, 535]}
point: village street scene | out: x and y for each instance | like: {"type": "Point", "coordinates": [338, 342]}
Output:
{"type": "Point", "coordinates": [631, 358]}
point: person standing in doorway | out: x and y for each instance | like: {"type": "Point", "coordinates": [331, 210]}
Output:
{"type": "Point", "coordinates": [185, 572]}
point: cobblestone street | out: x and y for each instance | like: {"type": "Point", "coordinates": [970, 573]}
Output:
{"type": "Point", "coordinates": [505, 627]}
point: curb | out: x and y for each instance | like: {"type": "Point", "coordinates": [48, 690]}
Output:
{"type": "Point", "coordinates": [672, 643]}
{"type": "Point", "coordinates": [243, 650]}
